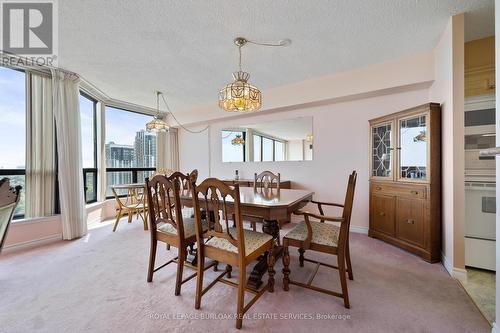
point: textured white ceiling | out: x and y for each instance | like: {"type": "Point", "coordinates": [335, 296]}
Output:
{"type": "Point", "coordinates": [130, 48]}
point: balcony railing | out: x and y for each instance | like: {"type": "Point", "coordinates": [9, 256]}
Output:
{"type": "Point", "coordinates": [118, 176]}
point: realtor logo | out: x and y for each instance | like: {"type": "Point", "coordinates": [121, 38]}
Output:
{"type": "Point", "coordinates": [29, 28]}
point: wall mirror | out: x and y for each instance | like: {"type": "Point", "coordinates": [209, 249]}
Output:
{"type": "Point", "coordinates": [281, 140]}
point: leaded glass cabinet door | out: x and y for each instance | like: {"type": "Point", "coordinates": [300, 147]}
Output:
{"type": "Point", "coordinates": [413, 148]}
{"type": "Point", "coordinates": [382, 151]}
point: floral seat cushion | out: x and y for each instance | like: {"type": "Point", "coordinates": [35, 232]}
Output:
{"type": "Point", "coordinates": [322, 233]}
{"type": "Point", "coordinates": [253, 240]}
{"type": "Point", "coordinates": [189, 227]}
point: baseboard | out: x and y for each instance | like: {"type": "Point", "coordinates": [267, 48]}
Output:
{"type": "Point", "coordinates": [495, 328]}
{"type": "Point", "coordinates": [457, 273]}
{"type": "Point", "coordinates": [447, 264]}
{"type": "Point", "coordinates": [358, 229]}
{"type": "Point", "coordinates": [32, 243]}
{"type": "Point", "coordinates": [460, 274]}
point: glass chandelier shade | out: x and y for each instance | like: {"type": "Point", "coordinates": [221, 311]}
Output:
{"type": "Point", "coordinates": [239, 95]}
{"type": "Point", "coordinates": [157, 124]}
{"type": "Point", "coordinates": [238, 141]}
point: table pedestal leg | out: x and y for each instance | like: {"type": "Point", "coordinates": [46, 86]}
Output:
{"type": "Point", "coordinates": [272, 228]}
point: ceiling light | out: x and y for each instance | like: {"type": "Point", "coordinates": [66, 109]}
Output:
{"type": "Point", "coordinates": [239, 95]}
{"type": "Point", "coordinates": [157, 124]}
{"type": "Point", "coordinates": [238, 141]}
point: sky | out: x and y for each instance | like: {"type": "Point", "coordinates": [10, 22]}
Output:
{"type": "Point", "coordinates": [12, 119]}
{"type": "Point", "coordinates": [121, 126]}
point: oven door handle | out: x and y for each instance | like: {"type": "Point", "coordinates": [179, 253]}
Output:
{"type": "Point", "coordinates": [490, 152]}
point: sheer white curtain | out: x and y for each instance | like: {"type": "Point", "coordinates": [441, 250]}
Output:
{"type": "Point", "coordinates": [168, 150]}
{"type": "Point", "coordinates": [40, 149]}
{"type": "Point", "coordinates": [65, 100]}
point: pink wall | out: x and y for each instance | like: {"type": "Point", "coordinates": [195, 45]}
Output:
{"type": "Point", "coordinates": [448, 89]}
{"type": "Point", "coordinates": [38, 231]}
{"type": "Point", "coordinates": [363, 82]}
{"type": "Point", "coordinates": [341, 144]}
{"type": "Point", "coordinates": [34, 230]}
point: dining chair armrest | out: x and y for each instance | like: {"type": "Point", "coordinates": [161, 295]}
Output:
{"type": "Point", "coordinates": [307, 241]}
{"type": "Point", "coordinates": [321, 203]}
{"type": "Point", "coordinates": [319, 217]}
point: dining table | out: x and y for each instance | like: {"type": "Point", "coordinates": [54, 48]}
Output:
{"type": "Point", "coordinates": [272, 205]}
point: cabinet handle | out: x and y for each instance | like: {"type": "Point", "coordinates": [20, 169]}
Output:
{"type": "Point", "coordinates": [381, 214]}
{"type": "Point", "coordinates": [414, 192]}
{"type": "Point", "coordinates": [410, 221]}
{"type": "Point", "coordinates": [378, 188]}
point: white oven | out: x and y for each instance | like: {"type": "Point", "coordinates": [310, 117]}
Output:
{"type": "Point", "coordinates": [480, 183]}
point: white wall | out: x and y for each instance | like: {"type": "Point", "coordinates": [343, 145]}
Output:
{"type": "Point", "coordinates": [295, 150]}
{"type": "Point", "coordinates": [448, 90]}
{"type": "Point", "coordinates": [341, 144]}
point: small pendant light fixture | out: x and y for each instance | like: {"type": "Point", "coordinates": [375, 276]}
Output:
{"type": "Point", "coordinates": [157, 124]}
{"type": "Point", "coordinates": [239, 95]}
{"type": "Point", "coordinates": [238, 140]}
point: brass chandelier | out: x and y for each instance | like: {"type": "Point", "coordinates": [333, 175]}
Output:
{"type": "Point", "coordinates": [239, 95]}
{"type": "Point", "coordinates": [238, 140]}
{"type": "Point", "coordinates": [157, 124]}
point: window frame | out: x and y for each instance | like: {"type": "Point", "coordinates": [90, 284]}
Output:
{"type": "Point", "coordinates": [261, 148]}
{"type": "Point", "coordinates": [244, 137]}
{"type": "Point", "coordinates": [27, 106]}
{"type": "Point", "coordinates": [134, 170]}
{"type": "Point", "coordinates": [94, 169]}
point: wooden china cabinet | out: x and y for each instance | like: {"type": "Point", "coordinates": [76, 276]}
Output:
{"type": "Point", "coordinates": [405, 180]}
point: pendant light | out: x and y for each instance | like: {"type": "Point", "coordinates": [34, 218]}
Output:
{"type": "Point", "coordinates": [157, 124]}
{"type": "Point", "coordinates": [239, 95]}
{"type": "Point", "coordinates": [238, 140]}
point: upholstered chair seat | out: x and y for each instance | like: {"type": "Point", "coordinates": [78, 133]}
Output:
{"type": "Point", "coordinates": [253, 241]}
{"type": "Point", "coordinates": [189, 227]}
{"type": "Point", "coordinates": [322, 233]}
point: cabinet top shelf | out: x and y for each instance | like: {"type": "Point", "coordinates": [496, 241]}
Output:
{"type": "Point", "coordinates": [405, 113]}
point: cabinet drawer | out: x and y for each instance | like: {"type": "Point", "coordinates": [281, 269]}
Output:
{"type": "Point", "coordinates": [382, 213]}
{"type": "Point", "coordinates": [412, 191]}
{"type": "Point", "coordinates": [410, 219]}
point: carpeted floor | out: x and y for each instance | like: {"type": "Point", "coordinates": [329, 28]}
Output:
{"type": "Point", "coordinates": [98, 284]}
{"type": "Point", "coordinates": [481, 287]}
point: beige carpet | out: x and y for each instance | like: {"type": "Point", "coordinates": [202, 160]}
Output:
{"type": "Point", "coordinates": [481, 288]}
{"type": "Point", "coordinates": [98, 284]}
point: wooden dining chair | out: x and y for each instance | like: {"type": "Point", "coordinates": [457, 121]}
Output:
{"type": "Point", "coordinates": [323, 237]}
{"type": "Point", "coordinates": [167, 225]}
{"type": "Point", "coordinates": [234, 246]}
{"type": "Point", "coordinates": [262, 182]}
{"type": "Point", "coordinates": [134, 202]}
{"type": "Point", "coordinates": [163, 171]}
{"type": "Point", "coordinates": [185, 182]}
{"type": "Point", "coordinates": [9, 198]}
{"type": "Point", "coordinates": [266, 179]}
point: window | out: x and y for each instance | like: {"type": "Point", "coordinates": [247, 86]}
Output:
{"type": "Point", "coordinates": [257, 148]}
{"type": "Point", "coordinates": [88, 107]}
{"type": "Point", "coordinates": [267, 149]}
{"type": "Point", "coordinates": [13, 128]}
{"type": "Point", "coordinates": [232, 152]}
{"type": "Point", "coordinates": [130, 149]}
{"type": "Point", "coordinates": [279, 151]}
